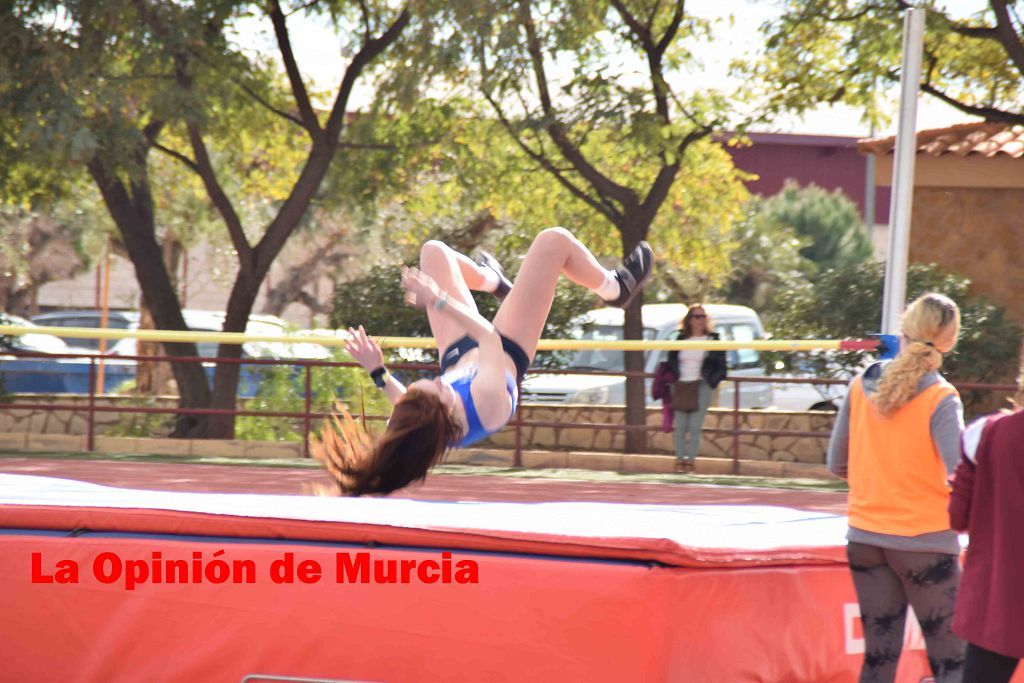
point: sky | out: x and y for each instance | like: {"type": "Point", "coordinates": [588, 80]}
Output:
{"type": "Point", "coordinates": [735, 34]}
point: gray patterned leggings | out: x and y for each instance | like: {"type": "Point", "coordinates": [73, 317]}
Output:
{"type": "Point", "coordinates": [886, 580]}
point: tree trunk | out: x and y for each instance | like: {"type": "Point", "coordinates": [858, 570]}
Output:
{"type": "Point", "coordinates": [133, 215]}
{"type": "Point", "coordinates": [225, 377]}
{"type": "Point", "coordinates": [636, 400]}
{"type": "Point", "coordinates": [151, 377]}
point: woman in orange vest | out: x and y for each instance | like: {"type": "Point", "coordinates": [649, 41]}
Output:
{"type": "Point", "coordinates": [896, 440]}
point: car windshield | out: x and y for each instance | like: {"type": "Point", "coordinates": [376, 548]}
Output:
{"type": "Point", "coordinates": [609, 360]}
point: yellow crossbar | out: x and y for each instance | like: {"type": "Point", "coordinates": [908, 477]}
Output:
{"type": "Point", "coordinates": [415, 342]}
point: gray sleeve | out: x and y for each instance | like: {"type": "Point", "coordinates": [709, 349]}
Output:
{"type": "Point", "coordinates": [946, 426]}
{"type": "Point", "coordinates": [839, 443]}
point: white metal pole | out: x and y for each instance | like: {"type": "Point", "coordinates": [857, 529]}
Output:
{"type": "Point", "coordinates": [905, 150]}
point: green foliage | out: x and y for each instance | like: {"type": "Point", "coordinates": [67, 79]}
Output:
{"type": "Point", "coordinates": [282, 389]}
{"type": "Point", "coordinates": [141, 425]}
{"type": "Point", "coordinates": [824, 51]}
{"type": "Point", "coordinates": [768, 261]}
{"type": "Point", "coordinates": [828, 223]}
{"type": "Point", "coordinates": [847, 302]}
{"type": "Point", "coordinates": [561, 127]}
{"type": "Point", "coordinates": [785, 240]}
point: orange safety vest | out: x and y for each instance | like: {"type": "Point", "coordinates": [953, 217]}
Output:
{"type": "Point", "coordinates": [898, 482]}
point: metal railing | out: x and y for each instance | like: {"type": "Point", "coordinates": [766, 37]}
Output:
{"type": "Point", "coordinates": [308, 415]}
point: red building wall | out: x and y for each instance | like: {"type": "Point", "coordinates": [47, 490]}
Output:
{"type": "Point", "coordinates": [830, 162]}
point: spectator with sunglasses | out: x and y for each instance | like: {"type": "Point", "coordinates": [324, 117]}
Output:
{"type": "Point", "coordinates": [693, 371]}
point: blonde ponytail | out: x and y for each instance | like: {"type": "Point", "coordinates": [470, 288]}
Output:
{"type": "Point", "coordinates": [930, 327]}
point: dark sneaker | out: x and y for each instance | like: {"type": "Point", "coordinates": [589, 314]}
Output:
{"type": "Point", "coordinates": [504, 286]}
{"type": "Point", "coordinates": [633, 274]}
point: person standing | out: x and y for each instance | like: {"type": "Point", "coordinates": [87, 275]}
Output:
{"type": "Point", "coordinates": [896, 440]}
{"type": "Point", "coordinates": [988, 503]}
{"type": "Point", "coordinates": [696, 374]}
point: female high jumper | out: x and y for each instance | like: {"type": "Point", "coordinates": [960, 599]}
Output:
{"type": "Point", "coordinates": [481, 361]}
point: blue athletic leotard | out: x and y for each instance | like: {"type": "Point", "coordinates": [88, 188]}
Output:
{"type": "Point", "coordinates": [459, 380]}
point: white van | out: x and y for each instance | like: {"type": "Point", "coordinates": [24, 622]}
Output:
{"type": "Point", "coordinates": [660, 321]}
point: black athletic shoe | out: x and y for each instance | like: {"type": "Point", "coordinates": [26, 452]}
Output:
{"type": "Point", "coordinates": [504, 286]}
{"type": "Point", "coordinates": [633, 274]}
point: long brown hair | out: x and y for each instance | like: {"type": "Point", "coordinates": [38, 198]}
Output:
{"type": "Point", "coordinates": [420, 430]}
{"type": "Point", "coordinates": [686, 326]}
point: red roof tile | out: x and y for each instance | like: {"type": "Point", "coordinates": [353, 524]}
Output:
{"type": "Point", "coordinates": [984, 138]}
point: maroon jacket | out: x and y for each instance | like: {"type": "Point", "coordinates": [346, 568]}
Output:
{"type": "Point", "coordinates": [661, 388]}
{"type": "Point", "coordinates": [988, 502]}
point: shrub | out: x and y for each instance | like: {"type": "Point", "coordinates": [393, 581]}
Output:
{"type": "Point", "coordinates": [847, 302]}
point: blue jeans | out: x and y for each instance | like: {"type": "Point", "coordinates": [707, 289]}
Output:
{"type": "Point", "coordinates": [688, 425]}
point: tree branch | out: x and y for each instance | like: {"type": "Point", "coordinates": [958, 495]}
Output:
{"type": "Point", "coordinates": [371, 50]}
{"type": "Point", "coordinates": [988, 113]}
{"type": "Point", "coordinates": [603, 185]}
{"type": "Point", "coordinates": [254, 95]}
{"type": "Point", "coordinates": [672, 30]}
{"type": "Point", "coordinates": [667, 173]}
{"type": "Point", "coordinates": [219, 198]}
{"type": "Point", "coordinates": [542, 159]}
{"type": "Point", "coordinates": [655, 52]}
{"type": "Point", "coordinates": [366, 19]}
{"type": "Point", "coordinates": [321, 153]}
{"type": "Point", "coordinates": [291, 67]}
{"type": "Point", "coordinates": [983, 32]}
{"type": "Point", "coordinates": [1008, 37]}
{"type": "Point", "coordinates": [179, 156]}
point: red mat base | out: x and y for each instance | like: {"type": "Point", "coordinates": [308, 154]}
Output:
{"type": "Point", "coordinates": [88, 595]}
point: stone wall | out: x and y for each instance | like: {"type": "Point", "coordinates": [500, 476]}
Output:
{"type": "Point", "coordinates": [717, 441]}
{"type": "Point", "coordinates": [974, 232]}
{"type": "Point", "coordinates": [715, 444]}
{"type": "Point", "coordinates": [74, 422]}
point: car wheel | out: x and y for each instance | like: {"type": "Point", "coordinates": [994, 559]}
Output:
{"type": "Point", "coordinates": [827, 406]}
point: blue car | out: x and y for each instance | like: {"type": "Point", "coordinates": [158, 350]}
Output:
{"type": "Point", "coordinates": [54, 376]}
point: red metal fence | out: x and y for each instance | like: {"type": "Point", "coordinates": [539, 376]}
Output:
{"type": "Point", "coordinates": [308, 415]}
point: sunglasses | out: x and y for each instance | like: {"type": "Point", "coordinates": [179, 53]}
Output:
{"type": "Point", "coordinates": [699, 315]}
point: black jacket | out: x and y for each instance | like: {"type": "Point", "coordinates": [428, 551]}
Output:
{"type": "Point", "coordinates": [712, 370]}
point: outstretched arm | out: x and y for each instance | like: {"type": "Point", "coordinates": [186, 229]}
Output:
{"type": "Point", "coordinates": [369, 355]}
{"type": "Point", "coordinates": [488, 387]}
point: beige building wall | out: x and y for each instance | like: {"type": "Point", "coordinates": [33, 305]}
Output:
{"type": "Point", "coordinates": [976, 232]}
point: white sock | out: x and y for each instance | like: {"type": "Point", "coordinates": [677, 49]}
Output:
{"type": "Point", "coordinates": [490, 280]}
{"type": "Point", "coordinates": [609, 290]}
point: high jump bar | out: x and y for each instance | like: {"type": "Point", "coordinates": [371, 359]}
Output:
{"type": "Point", "coordinates": [340, 337]}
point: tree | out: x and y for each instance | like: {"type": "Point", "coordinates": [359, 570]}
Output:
{"type": "Point", "coordinates": [828, 222]}
{"type": "Point", "coordinates": [615, 144]}
{"type": "Point", "coordinates": [110, 83]}
{"type": "Point", "coordinates": [768, 262]}
{"type": "Point", "coordinates": [34, 249]}
{"type": "Point", "coordinates": [843, 50]}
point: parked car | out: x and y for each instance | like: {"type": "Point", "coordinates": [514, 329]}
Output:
{"type": "Point", "coordinates": [801, 397]}
{"type": "Point", "coordinates": [51, 375]}
{"type": "Point", "coordinates": [660, 322]}
{"type": "Point", "coordinates": [37, 342]}
{"type": "Point", "coordinates": [197, 320]}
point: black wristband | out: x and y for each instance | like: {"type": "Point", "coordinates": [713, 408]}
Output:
{"type": "Point", "coordinates": [378, 376]}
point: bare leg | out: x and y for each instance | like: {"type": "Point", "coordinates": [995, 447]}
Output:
{"type": "Point", "coordinates": [554, 252]}
{"type": "Point", "coordinates": [456, 274]}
